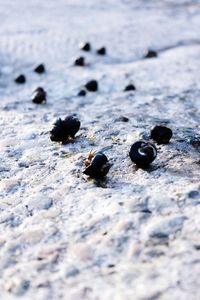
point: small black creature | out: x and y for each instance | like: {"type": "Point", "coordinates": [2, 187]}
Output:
{"type": "Point", "coordinates": [143, 153]}
{"type": "Point", "coordinates": [80, 61]}
{"type": "Point", "coordinates": [85, 47]}
{"type": "Point", "coordinates": [101, 51]}
{"type": "Point", "coordinates": [97, 165]}
{"type": "Point", "coordinates": [92, 86]}
{"type": "Point", "coordinates": [40, 69]}
{"type": "Point", "coordinates": [130, 87]}
{"type": "Point", "coordinates": [64, 130]}
{"type": "Point", "coordinates": [39, 96]}
{"type": "Point", "coordinates": [161, 134]}
{"type": "Point", "coordinates": [82, 93]}
{"type": "Point", "coordinates": [150, 54]}
{"type": "Point", "coordinates": [20, 79]}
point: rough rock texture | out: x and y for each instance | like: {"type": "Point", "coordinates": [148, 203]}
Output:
{"type": "Point", "coordinates": [137, 234]}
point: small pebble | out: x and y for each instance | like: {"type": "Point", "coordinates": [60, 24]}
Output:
{"type": "Point", "coordinates": [64, 130]}
{"type": "Point", "coordinates": [97, 165]}
{"type": "Point", "coordinates": [101, 51]}
{"type": "Point", "coordinates": [82, 93]}
{"type": "Point", "coordinates": [40, 69]}
{"type": "Point", "coordinates": [80, 61]}
{"type": "Point", "coordinates": [161, 134]}
{"type": "Point", "coordinates": [150, 53]}
{"type": "Point", "coordinates": [143, 153]}
{"type": "Point", "coordinates": [129, 87]}
{"type": "Point", "coordinates": [39, 96]}
{"type": "Point", "coordinates": [85, 47]}
{"type": "Point", "coordinates": [20, 79]}
{"type": "Point", "coordinates": [92, 85]}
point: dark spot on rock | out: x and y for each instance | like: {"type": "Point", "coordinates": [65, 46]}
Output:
{"type": "Point", "coordinates": [146, 211]}
{"type": "Point", "coordinates": [73, 272]}
{"type": "Point", "coordinates": [110, 266]}
{"type": "Point", "coordinates": [195, 142]}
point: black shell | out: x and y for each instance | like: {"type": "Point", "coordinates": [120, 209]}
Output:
{"type": "Point", "coordinates": [129, 87]}
{"type": "Point", "coordinates": [150, 53]}
{"type": "Point", "coordinates": [161, 134]}
{"type": "Point", "coordinates": [85, 47]}
{"type": "Point", "coordinates": [99, 166]}
{"type": "Point", "coordinates": [101, 51]}
{"type": "Point", "coordinates": [20, 79]}
{"type": "Point", "coordinates": [80, 61]}
{"type": "Point", "coordinates": [39, 96]}
{"type": "Point", "coordinates": [65, 129]}
{"type": "Point", "coordinates": [40, 69]}
{"type": "Point", "coordinates": [82, 93]}
{"type": "Point", "coordinates": [143, 153]}
{"type": "Point", "coordinates": [92, 85]}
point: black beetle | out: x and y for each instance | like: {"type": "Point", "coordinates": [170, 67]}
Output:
{"type": "Point", "coordinates": [65, 129]}
{"type": "Point", "coordinates": [97, 165]}
{"type": "Point", "coordinates": [142, 153]}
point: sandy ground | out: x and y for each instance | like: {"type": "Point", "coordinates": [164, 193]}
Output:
{"type": "Point", "coordinates": [135, 236]}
